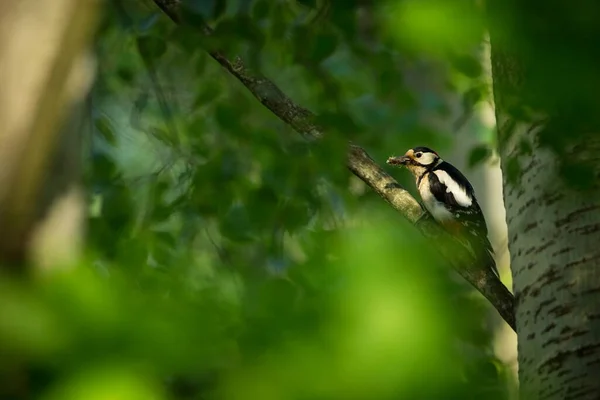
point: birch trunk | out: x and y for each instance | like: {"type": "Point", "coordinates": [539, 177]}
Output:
{"type": "Point", "coordinates": [554, 235]}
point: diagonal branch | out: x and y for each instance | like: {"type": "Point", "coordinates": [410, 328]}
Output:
{"type": "Point", "coordinates": [363, 166]}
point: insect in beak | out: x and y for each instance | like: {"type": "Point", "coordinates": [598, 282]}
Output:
{"type": "Point", "coordinates": [399, 160]}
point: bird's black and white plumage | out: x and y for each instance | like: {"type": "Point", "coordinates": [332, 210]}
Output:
{"type": "Point", "coordinates": [450, 199]}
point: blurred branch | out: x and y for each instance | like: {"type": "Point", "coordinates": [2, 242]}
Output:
{"type": "Point", "coordinates": [44, 83]}
{"type": "Point", "coordinates": [363, 166]}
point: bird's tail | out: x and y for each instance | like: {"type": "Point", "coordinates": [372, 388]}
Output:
{"type": "Point", "coordinates": [483, 252]}
{"type": "Point", "coordinates": [486, 256]}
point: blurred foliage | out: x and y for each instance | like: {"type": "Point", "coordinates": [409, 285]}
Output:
{"type": "Point", "coordinates": [558, 87]}
{"type": "Point", "coordinates": [230, 259]}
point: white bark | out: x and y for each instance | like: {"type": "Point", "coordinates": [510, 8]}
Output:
{"type": "Point", "coordinates": [554, 242]}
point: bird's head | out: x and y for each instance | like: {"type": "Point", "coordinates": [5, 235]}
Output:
{"type": "Point", "coordinates": [418, 160]}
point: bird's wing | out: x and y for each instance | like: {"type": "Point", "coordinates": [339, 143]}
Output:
{"type": "Point", "coordinates": [457, 195]}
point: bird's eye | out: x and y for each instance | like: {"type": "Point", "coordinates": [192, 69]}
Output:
{"type": "Point", "coordinates": [418, 155]}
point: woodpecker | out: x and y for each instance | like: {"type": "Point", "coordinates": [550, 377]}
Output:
{"type": "Point", "coordinates": [450, 199]}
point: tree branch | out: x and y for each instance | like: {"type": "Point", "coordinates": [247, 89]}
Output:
{"type": "Point", "coordinates": [363, 166]}
{"type": "Point", "coordinates": [43, 88]}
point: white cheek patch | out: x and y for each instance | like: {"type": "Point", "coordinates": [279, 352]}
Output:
{"type": "Point", "coordinates": [460, 195]}
{"type": "Point", "coordinates": [426, 159]}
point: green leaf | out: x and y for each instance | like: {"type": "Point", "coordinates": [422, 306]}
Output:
{"type": "Point", "coordinates": [104, 127]}
{"type": "Point", "coordinates": [261, 10]}
{"type": "Point", "coordinates": [148, 22]}
{"type": "Point", "coordinates": [235, 224]}
{"type": "Point", "coordinates": [341, 122]}
{"type": "Point", "coordinates": [295, 215]}
{"type": "Point", "coordinates": [467, 65]}
{"type": "Point", "coordinates": [478, 155]}
{"type": "Point", "coordinates": [226, 117]}
{"type": "Point", "coordinates": [187, 38]}
{"type": "Point", "coordinates": [126, 74]}
{"type": "Point", "coordinates": [471, 97]}
{"type": "Point", "coordinates": [308, 3]}
{"type": "Point", "coordinates": [104, 169]}
{"type": "Point", "coordinates": [513, 171]}
{"type": "Point", "coordinates": [525, 147]}
{"type": "Point", "coordinates": [207, 93]}
{"type": "Point", "coordinates": [219, 8]}
{"type": "Point", "coordinates": [160, 189]}
{"type": "Point", "coordinates": [323, 46]}
{"type": "Point", "coordinates": [167, 239]}
{"type": "Point", "coordinates": [239, 28]}
{"type": "Point", "coordinates": [151, 48]}
{"type": "Point", "coordinates": [279, 28]}
{"type": "Point", "coordinates": [577, 174]}
{"type": "Point", "coordinates": [301, 40]}
{"type": "Point", "coordinates": [161, 213]}
{"type": "Point", "coordinates": [264, 205]}
{"type": "Point", "coordinates": [118, 209]}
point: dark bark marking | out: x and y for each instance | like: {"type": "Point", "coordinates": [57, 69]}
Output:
{"type": "Point", "coordinates": [579, 212]}
{"type": "Point", "coordinates": [551, 199]}
{"type": "Point", "coordinates": [580, 392]}
{"type": "Point", "coordinates": [562, 251]}
{"type": "Point", "coordinates": [565, 330]}
{"type": "Point", "coordinates": [564, 338]}
{"type": "Point", "coordinates": [587, 350]}
{"type": "Point", "coordinates": [565, 286]}
{"type": "Point", "coordinates": [544, 246]}
{"type": "Point", "coordinates": [555, 362]}
{"type": "Point", "coordinates": [552, 341]}
{"type": "Point", "coordinates": [525, 206]}
{"type": "Point", "coordinates": [528, 167]}
{"type": "Point", "coordinates": [572, 379]}
{"type": "Point", "coordinates": [586, 230]}
{"type": "Point", "coordinates": [561, 310]}
{"type": "Point", "coordinates": [543, 304]}
{"type": "Point", "coordinates": [578, 262]}
{"type": "Point", "coordinates": [549, 276]}
{"type": "Point", "coordinates": [591, 291]}
{"type": "Point", "coordinates": [521, 294]}
{"type": "Point", "coordinates": [579, 332]}
{"type": "Point", "coordinates": [593, 362]}
{"type": "Point", "coordinates": [549, 395]}
{"type": "Point", "coordinates": [594, 316]}
{"type": "Point", "coordinates": [537, 250]}
{"type": "Point", "coordinates": [530, 226]}
{"type": "Point", "coordinates": [550, 326]}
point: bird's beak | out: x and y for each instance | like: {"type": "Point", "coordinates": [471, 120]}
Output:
{"type": "Point", "coordinates": [398, 160]}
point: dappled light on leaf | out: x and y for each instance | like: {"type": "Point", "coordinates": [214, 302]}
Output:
{"type": "Point", "coordinates": [433, 26]}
